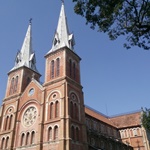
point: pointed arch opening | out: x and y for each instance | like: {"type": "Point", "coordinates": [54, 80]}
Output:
{"type": "Point", "coordinates": [49, 133]}
{"type": "Point", "coordinates": [2, 143]}
{"type": "Point", "coordinates": [51, 111]}
{"type": "Point", "coordinates": [76, 113]}
{"type": "Point", "coordinates": [10, 122]}
{"type": "Point", "coordinates": [71, 109]}
{"type": "Point", "coordinates": [55, 132]}
{"type": "Point", "coordinates": [77, 134]}
{"type": "Point", "coordinates": [57, 67]}
{"type": "Point", "coordinates": [57, 109]}
{"type": "Point", "coordinates": [52, 69]}
{"type": "Point", "coordinates": [74, 70]}
{"type": "Point", "coordinates": [72, 133]}
{"type": "Point", "coordinates": [28, 139]}
{"type": "Point", "coordinates": [6, 123]}
{"type": "Point", "coordinates": [16, 84]}
{"type": "Point", "coordinates": [22, 143]}
{"type": "Point", "coordinates": [32, 137]}
{"type": "Point", "coordinates": [12, 86]}
{"type": "Point", "coordinates": [70, 67]}
{"type": "Point", "coordinates": [7, 141]}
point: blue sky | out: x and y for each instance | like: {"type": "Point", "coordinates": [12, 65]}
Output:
{"type": "Point", "coordinates": [114, 80]}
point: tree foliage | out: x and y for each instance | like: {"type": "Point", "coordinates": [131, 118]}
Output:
{"type": "Point", "coordinates": [118, 17]}
{"type": "Point", "coordinates": [146, 119]}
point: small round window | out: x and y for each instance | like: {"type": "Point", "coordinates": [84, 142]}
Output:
{"type": "Point", "coordinates": [31, 92]}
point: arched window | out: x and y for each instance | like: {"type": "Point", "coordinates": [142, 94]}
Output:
{"type": "Point", "coordinates": [6, 123]}
{"type": "Point", "coordinates": [135, 132]}
{"type": "Point", "coordinates": [55, 133]}
{"type": "Point", "coordinates": [122, 134]}
{"type": "Point", "coordinates": [70, 68]}
{"type": "Point", "coordinates": [12, 86]}
{"type": "Point", "coordinates": [76, 111]}
{"type": "Point", "coordinates": [72, 133]}
{"type": "Point", "coordinates": [28, 139]}
{"type": "Point", "coordinates": [138, 131]}
{"type": "Point", "coordinates": [49, 133]}
{"type": "Point", "coordinates": [56, 109]}
{"type": "Point", "coordinates": [57, 67]}
{"type": "Point", "coordinates": [71, 109]}
{"type": "Point", "coordinates": [16, 83]}
{"type": "Point", "coordinates": [74, 70]}
{"type": "Point", "coordinates": [7, 140]}
{"type": "Point", "coordinates": [10, 122]}
{"type": "Point", "coordinates": [52, 69]}
{"type": "Point", "coordinates": [32, 137]}
{"type": "Point", "coordinates": [2, 144]}
{"type": "Point", "coordinates": [126, 133]}
{"type": "Point", "coordinates": [131, 132]}
{"type": "Point", "coordinates": [51, 110]}
{"type": "Point", "coordinates": [22, 140]}
{"type": "Point", "coordinates": [77, 134]}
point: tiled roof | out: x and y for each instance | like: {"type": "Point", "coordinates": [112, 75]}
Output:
{"type": "Point", "coordinates": [127, 120]}
{"type": "Point", "coordinates": [119, 121]}
{"type": "Point", "coordinates": [97, 115]}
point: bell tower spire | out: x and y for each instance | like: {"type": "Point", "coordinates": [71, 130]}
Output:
{"type": "Point", "coordinates": [25, 67]}
{"type": "Point", "coordinates": [62, 78]}
{"type": "Point", "coordinates": [62, 37]}
{"type": "Point", "coordinates": [26, 56]}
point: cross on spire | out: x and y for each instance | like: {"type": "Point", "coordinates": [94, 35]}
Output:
{"type": "Point", "coordinates": [26, 56]}
{"type": "Point", "coordinates": [30, 20]}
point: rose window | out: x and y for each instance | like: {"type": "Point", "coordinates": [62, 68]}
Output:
{"type": "Point", "coordinates": [29, 116]}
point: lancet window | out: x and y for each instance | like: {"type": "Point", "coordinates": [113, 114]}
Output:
{"type": "Point", "coordinates": [55, 132]}
{"type": "Point", "coordinates": [13, 85]}
{"type": "Point", "coordinates": [54, 106]}
{"type": "Point", "coordinates": [75, 133]}
{"type": "Point", "coordinates": [52, 69]}
{"type": "Point", "coordinates": [22, 139]}
{"type": "Point", "coordinates": [8, 122]}
{"type": "Point", "coordinates": [55, 68]}
{"type": "Point", "coordinates": [51, 110]}
{"type": "Point", "coordinates": [32, 137]}
{"type": "Point", "coordinates": [50, 133]}
{"type": "Point", "coordinates": [5, 143]}
{"type": "Point", "coordinates": [27, 138]}
{"type": "Point", "coordinates": [74, 107]}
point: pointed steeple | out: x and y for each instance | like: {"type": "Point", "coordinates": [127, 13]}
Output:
{"type": "Point", "coordinates": [62, 36]}
{"type": "Point", "coordinates": [26, 56]}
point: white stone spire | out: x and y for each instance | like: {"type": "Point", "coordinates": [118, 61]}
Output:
{"type": "Point", "coordinates": [26, 56]}
{"type": "Point", "coordinates": [62, 37]}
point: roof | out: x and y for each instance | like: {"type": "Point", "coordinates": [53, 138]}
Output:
{"type": "Point", "coordinates": [119, 121]}
{"type": "Point", "coordinates": [97, 115]}
{"type": "Point", "coordinates": [127, 120]}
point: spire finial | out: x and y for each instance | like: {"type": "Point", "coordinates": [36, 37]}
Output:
{"type": "Point", "coordinates": [26, 56]}
{"type": "Point", "coordinates": [30, 20]}
{"type": "Point", "coordinates": [62, 37]}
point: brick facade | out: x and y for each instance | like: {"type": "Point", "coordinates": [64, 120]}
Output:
{"type": "Point", "coordinates": [52, 115]}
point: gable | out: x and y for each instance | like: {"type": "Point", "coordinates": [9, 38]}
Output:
{"type": "Point", "coordinates": [32, 92]}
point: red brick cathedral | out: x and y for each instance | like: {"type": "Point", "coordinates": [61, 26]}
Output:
{"type": "Point", "coordinates": [52, 115]}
